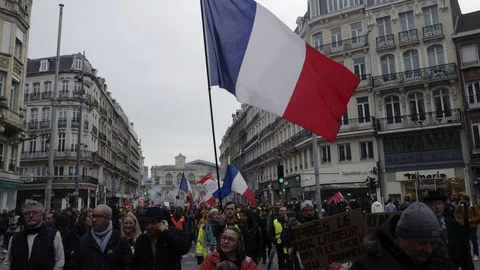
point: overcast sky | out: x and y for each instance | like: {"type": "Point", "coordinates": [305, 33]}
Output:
{"type": "Point", "coordinates": [151, 54]}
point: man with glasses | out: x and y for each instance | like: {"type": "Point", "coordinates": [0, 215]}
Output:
{"type": "Point", "coordinates": [37, 246]}
{"type": "Point", "coordinates": [102, 247]}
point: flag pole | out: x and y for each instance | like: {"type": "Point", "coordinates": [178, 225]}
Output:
{"type": "Point", "coordinates": [315, 144]}
{"type": "Point", "coordinates": [210, 101]}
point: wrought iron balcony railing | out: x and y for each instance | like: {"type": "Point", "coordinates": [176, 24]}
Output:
{"type": "Point", "coordinates": [416, 76]}
{"type": "Point", "coordinates": [66, 154]}
{"type": "Point", "coordinates": [62, 122]}
{"type": "Point", "coordinates": [75, 122]}
{"type": "Point", "coordinates": [356, 124]}
{"type": "Point", "coordinates": [35, 96]}
{"type": "Point", "coordinates": [433, 31]}
{"type": "Point", "coordinates": [63, 94]}
{"type": "Point", "coordinates": [60, 178]}
{"type": "Point", "coordinates": [47, 95]}
{"type": "Point", "coordinates": [408, 37]}
{"type": "Point", "coordinates": [474, 101]}
{"type": "Point", "coordinates": [366, 81]}
{"type": "Point", "coordinates": [343, 45]}
{"type": "Point", "coordinates": [385, 42]}
{"type": "Point", "coordinates": [33, 125]}
{"type": "Point", "coordinates": [45, 124]}
{"type": "Point", "coordinates": [420, 120]}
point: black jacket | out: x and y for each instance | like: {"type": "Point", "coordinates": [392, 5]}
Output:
{"type": "Point", "coordinates": [254, 250]}
{"type": "Point", "coordinates": [117, 255]}
{"type": "Point", "coordinates": [71, 242]}
{"type": "Point", "coordinates": [380, 252]}
{"type": "Point", "coordinates": [171, 245]}
{"type": "Point", "coordinates": [458, 245]}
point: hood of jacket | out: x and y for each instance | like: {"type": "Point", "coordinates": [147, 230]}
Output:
{"type": "Point", "coordinates": [384, 241]}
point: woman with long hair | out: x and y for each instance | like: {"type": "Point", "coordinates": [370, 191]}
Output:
{"type": "Point", "coordinates": [206, 242]}
{"type": "Point", "coordinates": [71, 241]}
{"type": "Point", "coordinates": [131, 229]}
{"type": "Point", "coordinates": [230, 248]}
{"type": "Point", "coordinates": [254, 233]}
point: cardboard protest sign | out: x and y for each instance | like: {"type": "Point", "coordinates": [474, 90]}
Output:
{"type": "Point", "coordinates": [375, 220]}
{"type": "Point", "coordinates": [336, 238]}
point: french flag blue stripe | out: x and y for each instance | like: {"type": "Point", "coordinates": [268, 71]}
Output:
{"type": "Point", "coordinates": [229, 25]}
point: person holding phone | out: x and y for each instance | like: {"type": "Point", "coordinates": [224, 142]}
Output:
{"type": "Point", "coordinates": [162, 245]}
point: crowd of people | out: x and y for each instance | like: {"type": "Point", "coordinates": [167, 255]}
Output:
{"type": "Point", "coordinates": [433, 234]}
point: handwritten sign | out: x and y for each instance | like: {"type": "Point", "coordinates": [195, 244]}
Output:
{"type": "Point", "coordinates": [336, 238]}
{"type": "Point", "coordinates": [375, 220]}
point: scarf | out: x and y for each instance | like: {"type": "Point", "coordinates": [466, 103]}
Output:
{"type": "Point", "coordinates": [35, 230]}
{"type": "Point", "coordinates": [102, 238]}
{"type": "Point", "coordinates": [210, 240]}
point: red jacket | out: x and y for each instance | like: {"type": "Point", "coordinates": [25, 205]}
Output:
{"type": "Point", "coordinates": [213, 259]}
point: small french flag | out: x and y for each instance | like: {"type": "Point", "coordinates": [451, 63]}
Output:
{"type": "Point", "coordinates": [234, 182]}
{"type": "Point", "coordinates": [185, 187]}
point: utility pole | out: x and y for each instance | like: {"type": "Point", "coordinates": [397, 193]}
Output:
{"type": "Point", "coordinates": [54, 124]}
{"type": "Point", "coordinates": [79, 141]}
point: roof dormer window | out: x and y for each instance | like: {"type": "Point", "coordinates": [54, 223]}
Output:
{"type": "Point", "coordinates": [44, 64]}
{"type": "Point", "coordinates": [78, 63]}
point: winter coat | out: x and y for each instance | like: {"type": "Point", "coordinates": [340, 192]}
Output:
{"type": "Point", "coordinates": [117, 254]}
{"type": "Point", "coordinates": [254, 250]}
{"type": "Point", "coordinates": [190, 224]}
{"type": "Point", "coordinates": [380, 252]}
{"type": "Point", "coordinates": [458, 245]}
{"type": "Point", "coordinates": [473, 214]}
{"type": "Point", "coordinates": [171, 245]}
{"type": "Point", "coordinates": [243, 262]}
{"type": "Point", "coordinates": [71, 242]}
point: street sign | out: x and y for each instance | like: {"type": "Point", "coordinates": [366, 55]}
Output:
{"type": "Point", "coordinates": [52, 195]}
{"type": "Point", "coordinates": [67, 198]}
{"type": "Point", "coordinates": [75, 193]}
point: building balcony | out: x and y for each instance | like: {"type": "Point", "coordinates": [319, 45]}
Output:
{"type": "Point", "coordinates": [419, 121]}
{"type": "Point", "coordinates": [85, 125]}
{"type": "Point", "coordinates": [122, 139]}
{"type": "Point", "coordinates": [385, 42]}
{"type": "Point", "coordinates": [47, 95]}
{"type": "Point", "coordinates": [26, 96]}
{"type": "Point", "coordinates": [35, 96]}
{"type": "Point", "coordinates": [67, 154]}
{"type": "Point", "coordinates": [45, 124]}
{"type": "Point", "coordinates": [103, 112]}
{"type": "Point", "coordinates": [134, 165]}
{"type": "Point", "coordinates": [415, 77]}
{"type": "Point", "coordinates": [32, 125]}
{"type": "Point", "coordinates": [134, 151]}
{"type": "Point", "coordinates": [357, 124]}
{"type": "Point", "coordinates": [408, 37]}
{"type": "Point", "coordinates": [366, 81]}
{"type": "Point", "coordinates": [94, 130]}
{"type": "Point", "coordinates": [343, 45]}
{"type": "Point", "coordinates": [254, 119]}
{"type": "Point", "coordinates": [102, 136]}
{"type": "Point", "coordinates": [62, 122]}
{"type": "Point", "coordinates": [433, 32]}
{"type": "Point", "coordinates": [109, 143]}
{"type": "Point", "coordinates": [63, 94]}
{"type": "Point", "coordinates": [76, 94]}
{"type": "Point", "coordinates": [84, 179]}
{"type": "Point", "coordinates": [122, 155]}
{"type": "Point", "coordinates": [75, 122]}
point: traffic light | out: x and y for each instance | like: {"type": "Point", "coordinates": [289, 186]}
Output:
{"type": "Point", "coordinates": [145, 193]}
{"type": "Point", "coordinates": [373, 183]}
{"type": "Point", "coordinates": [297, 178]}
{"type": "Point", "coordinates": [281, 177]}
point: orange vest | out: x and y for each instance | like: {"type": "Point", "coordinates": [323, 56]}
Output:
{"type": "Point", "coordinates": [178, 224]}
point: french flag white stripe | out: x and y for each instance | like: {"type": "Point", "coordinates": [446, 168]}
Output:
{"type": "Point", "coordinates": [271, 66]}
{"type": "Point", "coordinates": [239, 185]}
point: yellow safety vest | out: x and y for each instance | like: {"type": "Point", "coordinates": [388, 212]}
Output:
{"type": "Point", "coordinates": [278, 231]}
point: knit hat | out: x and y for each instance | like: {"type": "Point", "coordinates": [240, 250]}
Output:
{"type": "Point", "coordinates": [306, 203]}
{"type": "Point", "coordinates": [418, 220]}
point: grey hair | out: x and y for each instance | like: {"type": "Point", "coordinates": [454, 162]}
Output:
{"type": "Point", "coordinates": [30, 203]}
{"type": "Point", "coordinates": [106, 209]}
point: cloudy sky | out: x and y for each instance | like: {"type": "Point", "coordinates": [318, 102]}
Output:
{"type": "Point", "coordinates": [151, 54]}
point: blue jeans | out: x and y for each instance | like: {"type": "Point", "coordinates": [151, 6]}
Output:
{"type": "Point", "coordinates": [6, 239]}
{"type": "Point", "coordinates": [473, 238]}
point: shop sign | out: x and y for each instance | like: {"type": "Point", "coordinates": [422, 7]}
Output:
{"type": "Point", "coordinates": [356, 172]}
{"type": "Point", "coordinates": [433, 174]}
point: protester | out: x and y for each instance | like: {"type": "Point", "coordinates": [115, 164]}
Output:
{"type": "Point", "coordinates": [12, 228]}
{"type": "Point", "coordinates": [390, 207]}
{"type": "Point", "coordinates": [407, 241]}
{"type": "Point", "coordinates": [207, 242]}
{"type": "Point", "coordinates": [71, 241]}
{"type": "Point", "coordinates": [131, 229]}
{"type": "Point", "coordinates": [37, 246]}
{"type": "Point", "coordinates": [468, 215]}
{"type": "Point", "coordinates": [254, 250]}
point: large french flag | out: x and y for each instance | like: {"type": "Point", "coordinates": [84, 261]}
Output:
{"type": "Point", "coordinates": [257, 58]}
{"type": "Point", "coordinates": [211, 184]}
{"type": "Point", "coordinates": [234, 182]}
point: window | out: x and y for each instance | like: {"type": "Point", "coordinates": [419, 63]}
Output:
{"type": "Point", "coordinates": [61, 142]}
{"type": "Point", "coordinates": [407, 20]}
{"type": "Point", "coordinates": [33, 145]}
{"type": "Point", "coordinates": [13, 93]}
{"type": "Point", "coordinates": [344, 119]}
{"type": "Point", "coordinates": [44, 64]}
{"type": "Point", "coordinates": [74, 141]}
{"type": "Point", "coordinates": [25, 89]}
{"type": "Point", "coordinates": [36, 89]}
{"type": "Point", "coordinates": [58, 170]}
{"type": "Point", "coordinates": [19, 44]}
{"type": "Point", "coordinates": [435, 55]}
{"type": "Point", "coordinates": [384, 26]}
{"type": "Point", "coordinates": [315, 8]}
{"type": "Point", "coordinates": [65, 86]}
{"type": "Point", "coordinates": [1, 154]}
{"type": "Point", "coordinates": [410, 60]}
{"type": "Point", "coordinates": [366, 150]}
{"type": "Point", "coordinates": [326, 157]}
{"type": "Point", "coordinates": [334, 5]}
{"type": "Point", "coordinates": [46, 113]}
{"type": "Point", "coordinates": [318, 41]}
{"type": "Point", "coordinates": [392, 108]}
{"type": "Point", "coordinates": [2, 80]}
{"type": "Point", "coordinates": [476, 133]}
{"type": "Point", "coordinates": [442, 103]}
{"type": "Point", "coordinates": [359, 67]}
{"type": "Point", "coordinates": [7, 34]}
{"type": "Point", "coordinates": [363, 110]}
{"type": "Point", "coordinates": [34, 115]}
{"type": "Point", "coordinates": [48, 86]}
{"type": "Point", "coordinates": [417, 106]}
{"type": "Point", "coordinates": [169, 180]}
{"type": "Point", "coordinates": [344, 152]}
{"type": "Point", "coordinates": [430, 14]}
{"type": "Point", "coordinates": [473, 92]}
{"type": "Point", "coordinates": [77, 87]}
{"type": "Point", "coordinates": [71, 170]}
{"type": "Point", "coordinates": [469, 54]}
{"type": "Point", "coordinates": [12, 155]}
{"type": "Point", "coordinates": [45, 142]}
{"type": "Point", "coordinates": [336, 36]}
{"type": "Point", "coordinates": [356, 29]}
{"type": "Point", "coordinates": [76, 114]}
{"type": "Point", "coordinates": [78, 63]}
{"type": "Point", "coordinates": [179, 179]}
{"type": "Point", "coordinates": [387, 63]}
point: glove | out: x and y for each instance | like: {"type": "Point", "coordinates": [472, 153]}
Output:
{"type": "Point", "coordinates": [199, 259]}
